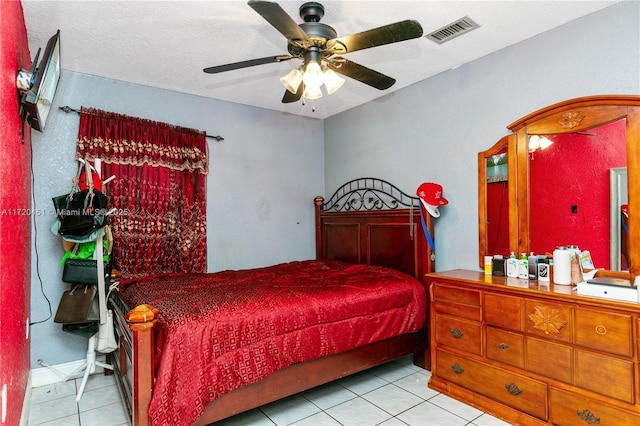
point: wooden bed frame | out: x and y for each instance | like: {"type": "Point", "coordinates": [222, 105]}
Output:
{"type": "Point", "coordinates": [366, 221]}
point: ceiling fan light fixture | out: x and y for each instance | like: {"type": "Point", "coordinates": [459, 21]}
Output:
{"type": "Point", "coordinates": [292, 80]}
{"type": "Point", "coordinates": [316, 43]}
{"type": "Point", "coordinates": [313, 75]}
{"type": "Point", "coordinates": [312, 92]}
{"type": "Point", "coordinates": [332, 81]}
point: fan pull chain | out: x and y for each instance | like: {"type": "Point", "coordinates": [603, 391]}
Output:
{"type": "Point", "coordinates": [313, 104]}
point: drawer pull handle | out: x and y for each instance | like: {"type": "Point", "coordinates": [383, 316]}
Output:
{"type": "Point", "coordinates": [588, 417]}
{"type": "Point", "coordinates": [513, 389]}
{"type": "Point", "coordinates": [601, 330]}
{"type": "Point", "coordinates": [456, 333]}
{"type": "Point", "coordinates": [457, 368]}
{"type": "Point", "coordinates": [503, 346]}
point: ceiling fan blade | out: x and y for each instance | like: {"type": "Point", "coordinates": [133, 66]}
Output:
{"type": "Point", "coordinates": [293, 97]}
{"type": "Point", "coordinates": [281, 21]}
{"type": "Point", "coordinates": [361, 73]}
{"type": "Point", "coordinates": [392, 33]}
{"type": "Point", "coordinates": [246, 64]}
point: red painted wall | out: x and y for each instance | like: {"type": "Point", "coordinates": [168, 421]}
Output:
{"type": "Point", "coordinates": [554, 188]}
{"type": "Point", "coordinates": [15, 221]}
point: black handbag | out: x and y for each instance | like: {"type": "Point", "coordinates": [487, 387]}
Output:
{"type": "Point", "coordinates": [82, 271]}
{"type": "Point", "coordinates": [78, 305]}
{"type": "Point", "coordinates": [81, 212]}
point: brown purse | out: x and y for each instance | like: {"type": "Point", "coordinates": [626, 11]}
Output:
{"type": "Point", "coordinates": [78, 305]}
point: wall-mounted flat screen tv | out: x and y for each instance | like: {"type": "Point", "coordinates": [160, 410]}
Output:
{"type": "Point", "coordinates": [36, 102]}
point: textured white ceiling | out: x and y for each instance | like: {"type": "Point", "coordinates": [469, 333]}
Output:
{"type": "Point", "coordinates": [166, 44]}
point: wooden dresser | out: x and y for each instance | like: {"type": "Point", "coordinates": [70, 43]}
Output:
{"type": "Point", "coordinates": [534, 353]}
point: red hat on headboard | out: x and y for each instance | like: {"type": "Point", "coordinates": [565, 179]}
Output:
{"type": "Point", "coordinates": [431, 196]}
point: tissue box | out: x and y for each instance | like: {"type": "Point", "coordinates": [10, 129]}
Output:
{"type": "Point", "coordinates": [615, 292]}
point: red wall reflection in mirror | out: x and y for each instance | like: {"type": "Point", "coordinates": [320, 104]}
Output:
{"type": "Point", "coordinates": [498, 217]}
{"type": "Point", "coordinates": [569, 190]}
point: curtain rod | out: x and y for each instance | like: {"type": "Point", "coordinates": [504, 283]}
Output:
{"type": "Point", "coordinates": [68, 109]}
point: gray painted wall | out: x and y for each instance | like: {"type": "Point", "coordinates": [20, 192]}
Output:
{"type": "Point", "coordinates": [433, 130]}
{"type": "Point", "coordinates": [261, 184]}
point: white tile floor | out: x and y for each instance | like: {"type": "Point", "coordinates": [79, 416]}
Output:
{"type": "Point", "coordinates": [392, 394]}
{"type": "Point", "coordinates": [100, 405]}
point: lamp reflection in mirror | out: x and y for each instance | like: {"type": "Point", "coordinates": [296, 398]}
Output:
{"type": "Point", "coordinates": [314, 77]}
{"type": "Point", "coordinates": [539, 142]}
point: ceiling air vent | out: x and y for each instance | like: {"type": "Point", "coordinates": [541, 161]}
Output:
{"type": "Point", "coordinates": [453, 30]}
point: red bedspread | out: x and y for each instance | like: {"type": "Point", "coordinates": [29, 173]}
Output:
{"type": "Point", "coordinates": [220, 331]}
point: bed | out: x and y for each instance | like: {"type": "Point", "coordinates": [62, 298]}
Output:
{"type": "Point", "coordinates": [360, 303]}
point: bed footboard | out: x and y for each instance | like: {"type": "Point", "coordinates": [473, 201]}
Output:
{"type": "Point", "coordinates": [133, 362]}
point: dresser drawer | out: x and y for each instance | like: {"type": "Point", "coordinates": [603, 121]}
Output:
{"type": "Point", "coordinates": [605, 375]}
{"type": "Point", "coordinates": [505, 346]}
{"type": "Point", "coordinates": [456, 310]}
{"type": "Point", "coordinates": [503, 311]}
{"type": "Point", "coordinates": [604, 331]}
{"type": "Point", "coordinates": [638, 336]}
{"type": "Point", "coordinates": [549, 359]}
{"type": "Point", "coordinates": [455, 294]}
{"type": "Point", "coordinates": [519, 392]}
{"type": "Point", "coordinates": [551, 320]}
{"type": "Point", "coordinates": [569, 409]}
{"type": "Point", "coordinates": [458, 333]}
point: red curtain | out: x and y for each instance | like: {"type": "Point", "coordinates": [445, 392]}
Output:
{"type": "Point", "coordinates": [159, 225]}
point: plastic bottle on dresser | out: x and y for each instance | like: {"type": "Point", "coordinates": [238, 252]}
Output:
{"type": "Point", "coordinates": [523, 267]}
{"type": "Point", "coordinates": [544, 270]}
{"type": "Point", "coordinates": [562, 266]}
{"type": "Point", "coordinates": [576, 268]}
{"type": "Point", "coordinates": [533, 266]}
{"type": "Point", "coordinates": [512, 266]}
{"type": "Point", "coordinates": [574, 249]}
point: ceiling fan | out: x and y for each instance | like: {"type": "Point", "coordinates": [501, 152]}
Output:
{"type": "Point", "coordinates": [318, 45]}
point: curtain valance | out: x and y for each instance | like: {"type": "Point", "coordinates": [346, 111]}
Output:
{"type": "Point", "coordinates": [120, 139]}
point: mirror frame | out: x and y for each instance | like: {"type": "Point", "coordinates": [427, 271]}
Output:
{"type": "Point", "coordinates": [570, 116]}
{"type": "Point", "coordinates": [508, 141]}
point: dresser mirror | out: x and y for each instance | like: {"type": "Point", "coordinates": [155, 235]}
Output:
{"type": "Point", "coordinates": [494, 194]}
{"type": "Point", "coordinates": [589, 170]}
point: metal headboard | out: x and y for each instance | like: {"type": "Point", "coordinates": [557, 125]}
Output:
{"type": "Point", "coordinates": [369, 194]}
